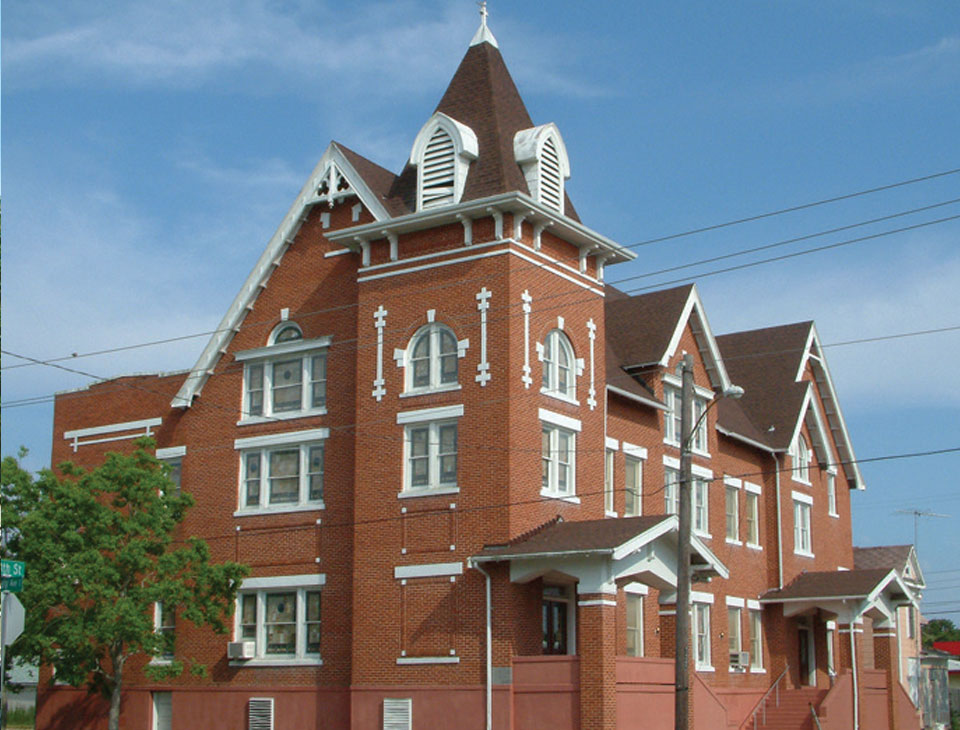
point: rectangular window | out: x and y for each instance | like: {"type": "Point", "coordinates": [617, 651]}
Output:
{"type": "Point", "coordinates": [911, 622]}
{"type": "Point", "coordinates": [701, 634]}
{"type": "Point", "coordinates": [700, 434]}
{"type": "Point", "coordinates": [293, 385]}
{"type": "Point", "coordinates": [831, 662]}
{"type": "Point", "coordinates": [284, 622]}
{"type": "Point", "coordinates": [733, 635]}
{"type": "Point", "coordinates": [673, 397]}
{"type": "Point", "coordinates": [756, 640]}
{"type": "Point", "coordinates": [162, 710]}
{"type": "Point", "coordinates": [802, 543]}
{"type": "Point", "coordinates": [671, 490]}
{"type": "Point", "coordinates": [733, 513]}
{"type": "Point", "coordinates": [701, 507]}
{"type": "Point", "coordinates": [634, 486]}
{"type": "Point", "coordinates": [608, 503]}
{"type": "Point", "coordinates": [282, 477]}
{"type": "Point", "coordinates": [832, 493]}
{"type": "Point", "coordinates": [634, 624]}
{"type": "Point", "coordinates": [164, 623]}
{"type": "Point", "coordinates": [753, 518]}
{"type": "Point", "coordinates": [557, 460]}
{"type": "Point", "coordinates": [431, 456]}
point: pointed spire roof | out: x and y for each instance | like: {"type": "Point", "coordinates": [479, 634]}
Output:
{"type": "Point", "coordinates": [483, 34]}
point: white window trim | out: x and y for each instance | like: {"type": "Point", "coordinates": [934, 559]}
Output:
{"type": "Point", "coordinates": [304, 350]}
{"type": "Point", "coordinates": [558, 419]}
{"type": "Point", "coordinates": [832, 503]}
{"type": "Point", "coordinates": [443, 416]}
{"type": "Point", "coordinates": [797, 468]}
{"type": "Point", "coordinates": [404, 359]}
{"type": "Point", "coordinates": [639, 629]}
{"type": "Point", "coordinates": [570, 395]}
{"type": "Point", "coordinates": [611, 443]}
{"type": "Point", "coordinates": [636, 455]}
{"type": "Point", "coordinates": [427, 570]}
{"type": "Point", "coordinates": [171, 452]}
{"type": "Point", "coordinates": [731, 483]}
{"type": "Point", "coordinates": [701, 605]}
{"type": "Point", "coordinates": [157, 628]}
{"type": "Point", "coordinates": [609, 477]}
{"type": "Point", "coordinates": [303, 441]}
{"type": "Point", "coordinates": [756, 658]}
{"type": "Point", "coordinates": [701, 395]}
{"type": "Point", "coordinates": [552, 491]}
{"type": "Point", "coordinates": [805, 500]}
{"type": "Point", "coordinates": [752, 491]}
{"type": "Point", "coordinates": [300, 584]}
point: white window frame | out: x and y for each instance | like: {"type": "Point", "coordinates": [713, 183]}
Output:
{"type": "Point", "coordinates": [752, 517]}
{"type": "Point", "coordinates": [172, 456]}
{"type": "Point", "coordinates": [732, 487]}
{"type": "Point", "coordinates": [701, 638]}
{"type": "Point", "coordinates": [673, 398]}
{"type": "Point", "coordinates": [803, 525]}
{"type": "Point", "coordinates": [634, 597]}
{"type": "Point", "coordinates": [553, 461]}
{"type": "Point", "coordinates": [433, 331]}
{"type": "Point", "coordinates": [755, 625]}
{"type": "Point", "coordinates": [609, 503]}
{"type": "Point", "coordinates": [801, 456]}
{"type": "Point", "coordinates": [555, 341]}
{"type": "Point", "coordinates": [633, 464]}
{"type": "Point", "coordinates": [160, 628]}
{"type": "Point", "coordinates": [263, 447]}
{"type": "Point", "coordinates": [700, 514]}
{"type": "Point", "coordinates": [671, 490]}
{"type": "Point", "coordinates": [735, 633]}
{"type": "Point", "coordinates": [832, 492]}
{"type": "Point", "coordinates": [260, 588]}
{"type": "Point", "coordinates": [433, 457]}
{"type": "Point", "coordinates": [265, 358]}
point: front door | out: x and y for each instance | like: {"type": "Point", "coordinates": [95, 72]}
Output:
{"type": "Point", "coordinates": [805, 654]}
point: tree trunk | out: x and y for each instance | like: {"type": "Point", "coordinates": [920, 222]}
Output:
{"type": "Point", "coordinates": [114, 721]}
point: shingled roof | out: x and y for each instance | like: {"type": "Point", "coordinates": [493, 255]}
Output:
{"type": "Point", "coordinates": [765, 362]}
{"type": "Point", "coordinates": [580, 536]}
{"type": "Point", "coordinates": [639, 328]}
{"type": "Point", "coordinates": [829, 584]}
{"type": "Point", "coordinates": [882, 556]}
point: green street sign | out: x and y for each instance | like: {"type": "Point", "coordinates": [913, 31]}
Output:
{"type": "Point", "coordinates": [11, 575]}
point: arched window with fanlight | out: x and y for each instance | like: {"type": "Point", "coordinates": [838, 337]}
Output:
{"type": "Point", "coordinates": [559, 366]}
{"type": "Point", "coordinates": [801, 460]}
{"type": "Point", "coordinates": [432, 358]}
{"type": "Point", "coordinates": [285, 379]}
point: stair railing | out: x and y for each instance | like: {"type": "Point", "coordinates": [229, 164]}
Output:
{"type": "Point", "coordinates": [816, 720]}
{"type": "Point", "coordinates": [760, 709]}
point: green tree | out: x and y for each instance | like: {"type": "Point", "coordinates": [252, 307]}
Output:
{"type": "Point", "coordinates": [939, 629]}
{"type": "Point", "coordinates": [101, 551]}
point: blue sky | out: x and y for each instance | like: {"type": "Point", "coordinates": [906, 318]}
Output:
{"type": "Point", "coordinates": [150, 150]}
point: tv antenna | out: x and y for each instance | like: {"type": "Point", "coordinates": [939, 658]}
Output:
{"type": "Point", "coordinates": [917, 514]}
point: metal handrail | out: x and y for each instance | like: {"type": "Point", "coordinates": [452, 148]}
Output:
{"type": "Point", "coordinates": [761, 706]}
{"type": "Point", "coordinates": [816, 720]}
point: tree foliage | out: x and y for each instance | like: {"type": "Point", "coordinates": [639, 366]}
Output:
{"type": "Point", "coordinates": [939, 629]}
{"type": "Point", "coordinates": [101, 550]}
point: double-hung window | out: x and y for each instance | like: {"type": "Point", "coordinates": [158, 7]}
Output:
{"type": "Point", "coordinates": [430, 447]}
{"type": "Point", "coordinates": [608, 490]}
{"type": "Point", "coordinates": [752, 514]}
{"type": "Point", "coordinates": [734, 617]}
{"type": "Point", "coordinates": [701, 507]}
{"type": "Point", "coordinates": [633, 482]}
{"type": "Point", "coordinates": [559, 366]}
{"type": "Point", "coordinates": [699, 494]}
{"type": "Point", "coordinates": [282, 472]}
{"type": "Point", "coordinates": [832, 493]}
{"type": "Point", "coordinates": [432, 359]}
{"type": "Point", "coordinates": [701, 634]}
{"type": "Point", "coordinates": [282, 616]}
{"type": "Point", "coordinates": [173, 457]}
{"type": "Point", "coordinates": [756, 639]}
{"type": "Point", "coordinates": [634, 624]}
{"type": "Point", "coordinates": [673, 398]}
{"type": "Point", "coordinates": [732, 504]}
{"type": "Point", "coordinates": [558, 448]}
{"type": "Point", "coordinates": [165, 626]}
{"type": "Point", "coordinates": [671, 490]}
{"type": "Point", "coordinates": [801, 460]}
{"type": "Point", "coordinates": [802, 540]}
{"type": "Point", "coordinates": [286, 379]}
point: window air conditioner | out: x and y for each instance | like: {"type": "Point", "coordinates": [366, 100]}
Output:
{"type": "Point", "coordinates": [740, 659]}
{"type": "Point", "coordinates": [241, 649]}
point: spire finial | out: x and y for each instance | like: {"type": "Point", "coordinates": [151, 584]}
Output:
{"type": "Point", "coordinates": [483, 34]}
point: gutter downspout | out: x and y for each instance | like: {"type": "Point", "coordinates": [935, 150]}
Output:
{"type": "Point", "coordinates": [776, 473]}
{"type": "Point", "coordinates": [489, 688]}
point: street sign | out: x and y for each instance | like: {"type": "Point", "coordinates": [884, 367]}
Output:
{"type": "Point", "coordinates": [13, 617]}
{"type": "Point", "coordinates": [11, 575]}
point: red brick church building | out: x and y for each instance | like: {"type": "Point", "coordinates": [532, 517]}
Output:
{"type": "Point", "coordinates": [449, 453]}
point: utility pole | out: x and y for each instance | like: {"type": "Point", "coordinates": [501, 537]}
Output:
{"type": "Point", "coordinates": [684, 508]}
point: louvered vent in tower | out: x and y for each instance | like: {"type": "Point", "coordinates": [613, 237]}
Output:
{"type": "Point", "coordinates": [437, 171]}
{"type": "Point", "coordinates": [260, 713]}
{"type": "Point", "coordinates": [551, 181]}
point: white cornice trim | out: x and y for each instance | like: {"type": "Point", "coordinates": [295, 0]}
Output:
{"type": "Point", "coordinates": [284, 348]}
{"type": "Point", "coordinates": [744, 439]}
{"type": "Point", "coordinates": [282, 237]}
{"type": "Point", "coordinates": [634, 397]}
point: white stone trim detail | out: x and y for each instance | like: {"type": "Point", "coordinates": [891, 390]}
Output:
{"type": "Point", "coordinates": [483, 367]}
{"type": "Point", "coordinates": [592, 393]}
{"type": "Point", "coordinates": [145, 424]}
{"type": "Point", "coordinates": [558, 419]}
{"type": "Point", "coordinates": [736, 602]}
{"type": "Point", "coordinates": [612, 443]}
{"type": "Point", "coordinates": [597, 602]}
{"type": "Point", "coordinates": [752, 488]}
{"type": "Point", "coordinates": [379, 384]}
{"type": "Point", "coordinates": [280, 439]}
{"type": "Point", "coordinates": [284, 581]}
{"type": "Point", "coordinates": [428, 660]}
{"type": "Point", "coordinates": [637, 588]}
{"type": "Point", "coordinates": [336, 252]}
{"type": "Point", "coordinates": [172, 452]}
{"type": "Point", "coordinates": [701, 597]}
{"type": "Point", "coordinates": [527, 301]}
{"type": "Point", "coordinates": [638, 452]}
{"type": "Point", "coordinates": [801, 497]}
{"type": "Point", "coordinates": [755, 606]}
{"type": "Point", "coordinates": [428, 570]}
{"type": "Point", "coordinates": [430, 414]}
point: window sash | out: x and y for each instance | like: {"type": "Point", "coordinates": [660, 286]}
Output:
{"type": "Point", "coordinates": [733, 628]}
{"type": "Point", "coordinates": [671, 490]}
{"type": "Point", "coordinates": [733, 513]}
{"type": "Point", "coordinates": [434, 359]}
{"type": "Point", "coordinates": [832, 493]}
{"type": "Point", "coordinates": [701, 629]}
{"type": "Point", "coordinates": [285, 385]}
{"type": "Point", "coordinates": [634, 624]}
{"type": "Point", "coordinates": [282, 477]}
{"type": "Point", "coordinates": [756, 639]}
{"type": "Point", "coordinates": [801, 527]}
{"type": "Point", "coordinates": [701, 506]}
{"type": "Point", "coordinates": [284, 623]}
{"type": "Point", "coordinates": [558, 460]}
{"type": "Point", "coordinates": [753, 519]}
{"type": "Point", "coordinates": [633, 481]}
{"type": "Point", "coordinates": [165, 624]}
{"type": "Point", "coordinates": [608, 493]}
{"type": "Point", "coordinates": [431, 455]}
{"type": "Point", "coordinates": [558, 365]}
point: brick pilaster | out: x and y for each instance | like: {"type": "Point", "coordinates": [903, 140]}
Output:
{"type": "Point", "coordinates": [598, 661]}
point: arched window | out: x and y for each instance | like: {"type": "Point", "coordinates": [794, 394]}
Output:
{"type": "Point", "coordinates": [286, 333]}
{"type": "Point", "coordinates": [432, 358]}
{"type": "Point", "coordinates": [558, 365]}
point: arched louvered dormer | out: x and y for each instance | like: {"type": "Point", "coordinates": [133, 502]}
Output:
{"type": "Point", "coordinates": [442, 153]}
{"type": "Point", "coordinates": [542, 155]}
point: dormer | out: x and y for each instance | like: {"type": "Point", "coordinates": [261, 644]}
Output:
{"type": "Point", "coordinates": [442, 153]}
{"type": "Point", "coordinates": [542, 156]}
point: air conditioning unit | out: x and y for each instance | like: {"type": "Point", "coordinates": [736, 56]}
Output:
{"type": "Point", "coordinates": [740, 659]}
{"type": "Point", "coordinates": [242, 649]}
